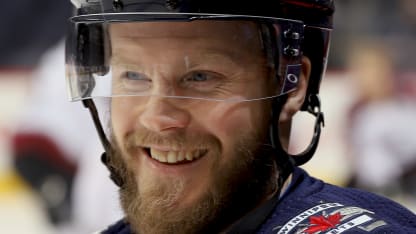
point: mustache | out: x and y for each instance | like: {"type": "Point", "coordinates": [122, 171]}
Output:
{"type": "Point", "coordinates": [175, 140]}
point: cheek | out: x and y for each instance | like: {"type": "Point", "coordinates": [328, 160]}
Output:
{"type": "Point", "coordinates": [116, 119]}
{"type": "Point", "coordinates": [228, 121]}
{"type": "Point", "coordinates": [122, 117]}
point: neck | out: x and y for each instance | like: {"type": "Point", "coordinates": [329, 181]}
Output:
{"type": "Point", "coordinates": [253, 219]}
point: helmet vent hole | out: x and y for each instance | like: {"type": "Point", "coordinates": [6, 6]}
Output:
{"type": "Point", "coordinates": [117, 5]}
{"type": "Point", "coordinates": [172, 4]}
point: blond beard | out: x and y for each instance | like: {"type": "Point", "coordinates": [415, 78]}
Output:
{"type": "Point", "coordinates": [156, 208]}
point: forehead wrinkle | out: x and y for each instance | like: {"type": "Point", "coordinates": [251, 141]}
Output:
{"type": "Point", "coordinates": [190, 52]}
{"type": "Point", "coordinates": [237, 31]}
{"type": "Point", "coordinates": [241, 46]}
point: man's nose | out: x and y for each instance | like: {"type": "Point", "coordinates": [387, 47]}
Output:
{"type": "Point", "coordinates": [160, 114]}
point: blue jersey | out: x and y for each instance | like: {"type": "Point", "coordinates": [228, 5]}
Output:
{"type": "Point", "coordinates": [310, 206]}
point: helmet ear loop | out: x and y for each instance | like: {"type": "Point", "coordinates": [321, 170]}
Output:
{"type": "Point", "coordinates": [314, 108]}
{"type": "Point", "coordinates": [108, 154]}
{"type": "Point", "coordinates": [285, 161]}
{"type": "Point", "coordinates": [288, 160]}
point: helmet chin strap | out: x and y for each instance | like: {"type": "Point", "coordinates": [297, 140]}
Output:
{"type": "Point", "coordinates": [285, 161]}
{"type": "Point", "coordinates": [108, 154]}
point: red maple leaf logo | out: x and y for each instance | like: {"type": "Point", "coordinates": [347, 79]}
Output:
{"type": "Point", "coordinates": [322, 223]}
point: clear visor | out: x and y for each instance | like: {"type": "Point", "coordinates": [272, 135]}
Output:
{"type": "Point", "coordinates": [210, 57]}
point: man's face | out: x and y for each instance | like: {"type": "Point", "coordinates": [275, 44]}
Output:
{"type": "Point", "coordinates": [189, 161]}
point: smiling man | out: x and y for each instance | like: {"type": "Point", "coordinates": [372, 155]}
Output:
{"type": "Point", "coordinates": [183, 153]}
{"type": "Point", "coordinates": [193, 103]}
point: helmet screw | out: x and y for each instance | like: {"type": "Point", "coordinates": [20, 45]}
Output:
{"type": "Point", "coordinates": [291, 51]}
{"type": "Point", "coordinates": [291, 35]}
{"type": "Point", "coordinates": [117, 5]}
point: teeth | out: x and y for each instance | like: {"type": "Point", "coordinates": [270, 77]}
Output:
{"type": "Point", "coordinates": [175, 156]}
{"type": "Point", "coordinates": [189, 156]}
{"type": "Point", "coordinates": [180, 156]}
{"type": "Point", "coordinates": [172, 157]}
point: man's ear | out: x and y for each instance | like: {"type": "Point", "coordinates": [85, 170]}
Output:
{"type": "Point", "coordinates": [295, 98]}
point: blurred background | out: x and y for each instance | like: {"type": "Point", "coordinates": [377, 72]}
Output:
{"type": "Point", "coordinates": [51, 179]}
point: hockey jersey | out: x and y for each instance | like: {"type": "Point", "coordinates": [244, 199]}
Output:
{"type": "Point", "coordinates": [310, 206]}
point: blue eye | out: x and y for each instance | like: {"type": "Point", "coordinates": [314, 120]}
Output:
{"type": "Point", "coordinates": [198, 76]}
{"type": "Point", "coordinates": [134, 75]}
{"type": "Point", "coordinates": [132, 81]}
{"type": "Point", "coordinates": [202, 81]}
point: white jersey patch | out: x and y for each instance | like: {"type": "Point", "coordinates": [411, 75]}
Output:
{"type": "Point", "coordinates": [330, 218]}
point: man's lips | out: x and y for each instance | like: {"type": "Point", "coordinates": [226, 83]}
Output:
{"type": "Point", "coordinates": [173, 157]}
